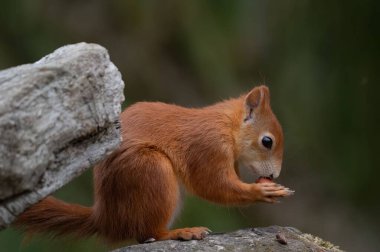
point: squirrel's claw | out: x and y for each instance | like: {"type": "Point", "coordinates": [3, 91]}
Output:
{"type": "Point", "coordinates": [150, 240]}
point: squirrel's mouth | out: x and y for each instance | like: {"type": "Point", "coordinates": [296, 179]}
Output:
{"type": "Point", "coordinates": [262, 179]}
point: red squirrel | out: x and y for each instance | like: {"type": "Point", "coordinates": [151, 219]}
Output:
{"type": "Point", "coordinates": [164, 147]}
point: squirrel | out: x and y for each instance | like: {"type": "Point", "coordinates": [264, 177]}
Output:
{"type": "Point", "coordinates": [166, 147]}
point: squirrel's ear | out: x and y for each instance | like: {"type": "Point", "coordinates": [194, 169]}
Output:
{"type": "Point", "coordinates": [258, 97]}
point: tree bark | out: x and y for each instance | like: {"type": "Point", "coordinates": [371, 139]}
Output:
{"type": "Point", "coordinates": [58, 117]}
{"type": "Point", "coordinates": [253, 239]}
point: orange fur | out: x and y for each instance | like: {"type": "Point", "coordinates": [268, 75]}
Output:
{"type": "Point", "coordinates": [137, 188]}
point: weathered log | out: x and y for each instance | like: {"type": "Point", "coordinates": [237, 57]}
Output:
{"type": "Point", "coordinates": [255, 239]}
{"type": "Point", "coordinates": [58, 117]}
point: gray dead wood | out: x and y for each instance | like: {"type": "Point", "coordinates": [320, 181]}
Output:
{"type": "Point", "coordinates": [58, 117]}
{"type": "Point", "coordinates": [256, 239]}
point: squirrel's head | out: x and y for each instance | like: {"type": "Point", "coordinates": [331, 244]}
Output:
{"type": "Point", "coordinates": [261, 137]}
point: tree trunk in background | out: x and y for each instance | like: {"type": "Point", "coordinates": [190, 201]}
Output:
{"type": "Point", "coordinates": [58, 117]}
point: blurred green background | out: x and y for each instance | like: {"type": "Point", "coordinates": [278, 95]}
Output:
{"type": "Point", "coordinates": [319, 58]}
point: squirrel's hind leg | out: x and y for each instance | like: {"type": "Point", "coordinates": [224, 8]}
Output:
{"type": "Point", "coordinates": [158, 199]}
{"type": "Point", "coordinates": [138, 196]}
{"type": "Point", "coordinates": [153, 194]}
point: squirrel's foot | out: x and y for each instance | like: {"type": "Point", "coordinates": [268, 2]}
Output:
{"type": "Point", "coordinates": [186, 234]}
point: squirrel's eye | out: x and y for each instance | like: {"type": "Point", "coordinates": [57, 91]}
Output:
{"type": "Point", "coordinates": [267, 142]}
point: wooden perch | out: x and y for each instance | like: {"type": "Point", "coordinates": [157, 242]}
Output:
{"type": "Point", "coordinates": [255, 239]}
{"type": "Point", "coordinates": [58, 117]}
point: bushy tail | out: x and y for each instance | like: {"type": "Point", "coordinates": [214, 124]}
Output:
{"type": "Point", "coordinates": [57, 218]}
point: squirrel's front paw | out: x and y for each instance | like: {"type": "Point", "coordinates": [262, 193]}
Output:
{"type": "Point", "coordinates": [270, 192]}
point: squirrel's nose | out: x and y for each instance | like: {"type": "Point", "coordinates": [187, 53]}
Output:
{"type": "Point", "coordinates": [271, 176]}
